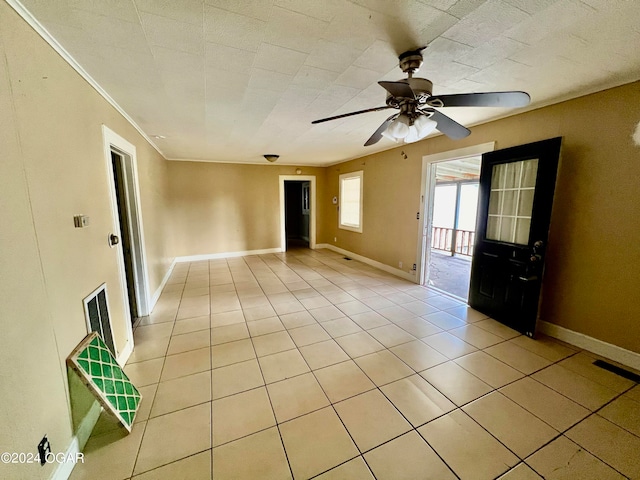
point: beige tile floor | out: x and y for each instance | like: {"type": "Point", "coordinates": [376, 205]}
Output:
{"type": "Point", "coordinates": [304, 365]}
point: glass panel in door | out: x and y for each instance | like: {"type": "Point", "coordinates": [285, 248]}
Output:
{"type": "Point", "coordinates": [511, 201]}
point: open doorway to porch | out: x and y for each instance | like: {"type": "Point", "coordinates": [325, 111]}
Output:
{"type": "Point", "coordinates": [454, 205]}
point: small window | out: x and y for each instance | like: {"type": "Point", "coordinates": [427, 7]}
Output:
{"type": "Point", "coordinates": [351, 201]}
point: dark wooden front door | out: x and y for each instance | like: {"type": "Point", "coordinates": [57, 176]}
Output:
{"type": "Point", "coordinates": [514, 212]}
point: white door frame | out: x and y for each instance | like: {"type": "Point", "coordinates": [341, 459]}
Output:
{"type": "Point", "coordinates": [312, 210]}
{"type": "Point", "coordinates": [427, 193]}
{"type": "Point", "coordinates": [114, 142]}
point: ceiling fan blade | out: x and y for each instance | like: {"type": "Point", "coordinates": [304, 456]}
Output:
{"type": "Point", "coordinates": [398, 89]}
{"type": "Point", "coordinates": [449, 126]}
{"type": "Point", "coordinates": [376, 109]}
{"type": "Point", "coordinates": [377, 135]}
{"type": "Point", "coordinates": [489, 99]}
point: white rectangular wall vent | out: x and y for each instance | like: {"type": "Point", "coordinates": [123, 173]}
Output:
{"type": "Point", "coordinates": [96, 312]}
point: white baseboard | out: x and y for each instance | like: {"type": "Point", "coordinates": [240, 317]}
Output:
{"type": "Point", "coordinates": [88, 423]}
{"type": "Point", "coordinates": [607, 350]}
{"type": "Point", "coordinates": [374, 263]}
{"type": "Point", "coordinates": [63, 471]}
{"type": "Point", "coordinates": [124, 355]}
{"type": "Point", "coordinates": [158, 292]}
{"type": "Point", "coordinates": [215, 256]}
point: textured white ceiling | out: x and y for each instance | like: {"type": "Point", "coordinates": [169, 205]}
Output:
{"type": "Point", "coordinates": [230, 80]}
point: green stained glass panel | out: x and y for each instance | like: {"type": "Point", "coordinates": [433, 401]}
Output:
{"type": "Point", "coordinates": [94, 354]}
{"type": "Point", "coordinates": [119, 388]}
{"type": "Point", "coordinates": [95, 369]}
{"type": "Point", "coordinates": [108, 386]}
{"type": "Point", "coordinates": [104, 357]}
{"type": "Point", "coordinates": [100, 371]}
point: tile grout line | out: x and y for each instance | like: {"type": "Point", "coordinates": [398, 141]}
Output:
{"type": "Point", "coordinates": [461, 406]}
{"type": "Point", "coordinates": [388, 349]}
{"type": "Point", "coordinates": [377, 387]}
{"type": "Point", "coordinates": [158, 384]}
{"type": "Point", "coordinates": [275, 418]}
{"type": "Point", "coordinates": [332, 405]}
{"type": "Point", "coordinates": [394, 406]}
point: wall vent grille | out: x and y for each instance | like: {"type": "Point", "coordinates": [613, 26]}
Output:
{"type": "Point", "coordinates": [96, 311]}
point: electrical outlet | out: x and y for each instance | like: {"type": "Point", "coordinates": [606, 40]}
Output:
{"type": "Point", "coordinates": [44, 449]}
{"type": "Point", "coordinates": [399, 264]}
{"type": "Point", "coordinates": [414, 267]}
{"type": "Point", "coordinates": [335, 239]}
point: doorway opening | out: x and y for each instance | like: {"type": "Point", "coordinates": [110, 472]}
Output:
{"type": "Point", "coordinates": [452, 225]}
{"type": "Point", "coordinates": [297, 211]}
{"type": "Point", "coordinates": [121, 159]}
{"type": "Point", "coordinates": [123, 206]}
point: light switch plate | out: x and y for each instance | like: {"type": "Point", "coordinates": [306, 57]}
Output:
{"type": "Point", "coordinates": [80, 221]}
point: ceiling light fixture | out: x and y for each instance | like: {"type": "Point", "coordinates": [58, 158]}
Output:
{"type": "Point", "coordinates": [159, 137]}
{"type": "Point", "coordinates": [271, 157]}
{"type": "Point", "coordinates": [403, 128]}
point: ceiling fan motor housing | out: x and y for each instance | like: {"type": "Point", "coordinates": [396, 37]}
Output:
{"type": "Point", "coordinates": [422, 89]}
{"type": "Point", "coordinates": [411, 61]}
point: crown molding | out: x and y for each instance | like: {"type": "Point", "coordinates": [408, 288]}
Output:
{"type": "Point", "coordinates": [27, 16]}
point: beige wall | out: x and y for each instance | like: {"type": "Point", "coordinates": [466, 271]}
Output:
{"type": "Point", "coordinates": [390, 204]}
{"type": "Point", "coordinates": [223, 208]}
{"type": "Point", "coordinates": [591, 279]}
{"type": "Point", "coordinates": [154, 201]}
{"type": "Point", "coordinates": [29, 367]}
{"type": "Point", "coordinates": [53, 167]}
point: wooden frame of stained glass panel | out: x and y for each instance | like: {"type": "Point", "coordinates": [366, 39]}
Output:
{"type": "Point", "coordinates": [100, 372]}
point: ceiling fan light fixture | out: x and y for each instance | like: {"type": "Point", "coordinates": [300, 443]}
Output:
{"type": "Point", "coordinates": [399, 128]}
{"type": "Point", "coordinates": [413, 135]}
{"type": "Point", "coordinates": [424, 125]}
{"type": "Point", "coordinates": [271, 157]}
{"type": "Point", "coordinates": [421, 127]}
{"type": "Point", "coordinates": [386, 134]}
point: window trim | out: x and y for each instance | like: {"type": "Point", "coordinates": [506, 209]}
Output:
{"type": "Point", "coordinates": [345, 176]}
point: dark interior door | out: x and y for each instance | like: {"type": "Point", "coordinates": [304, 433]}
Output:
{"type": "Point", "coordinates": [296, 221]}
{"type": "Point", "coordinates": [514, 212]}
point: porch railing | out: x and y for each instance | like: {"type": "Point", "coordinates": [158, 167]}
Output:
{"type": "Point", "coordinates": [441, 239]}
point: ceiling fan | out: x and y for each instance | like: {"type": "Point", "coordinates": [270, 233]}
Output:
{"type": "Point", "coordinates": [417, 116]}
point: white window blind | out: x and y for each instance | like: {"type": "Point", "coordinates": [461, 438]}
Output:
{"type": "Point", "coordinates": [351, 201]}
